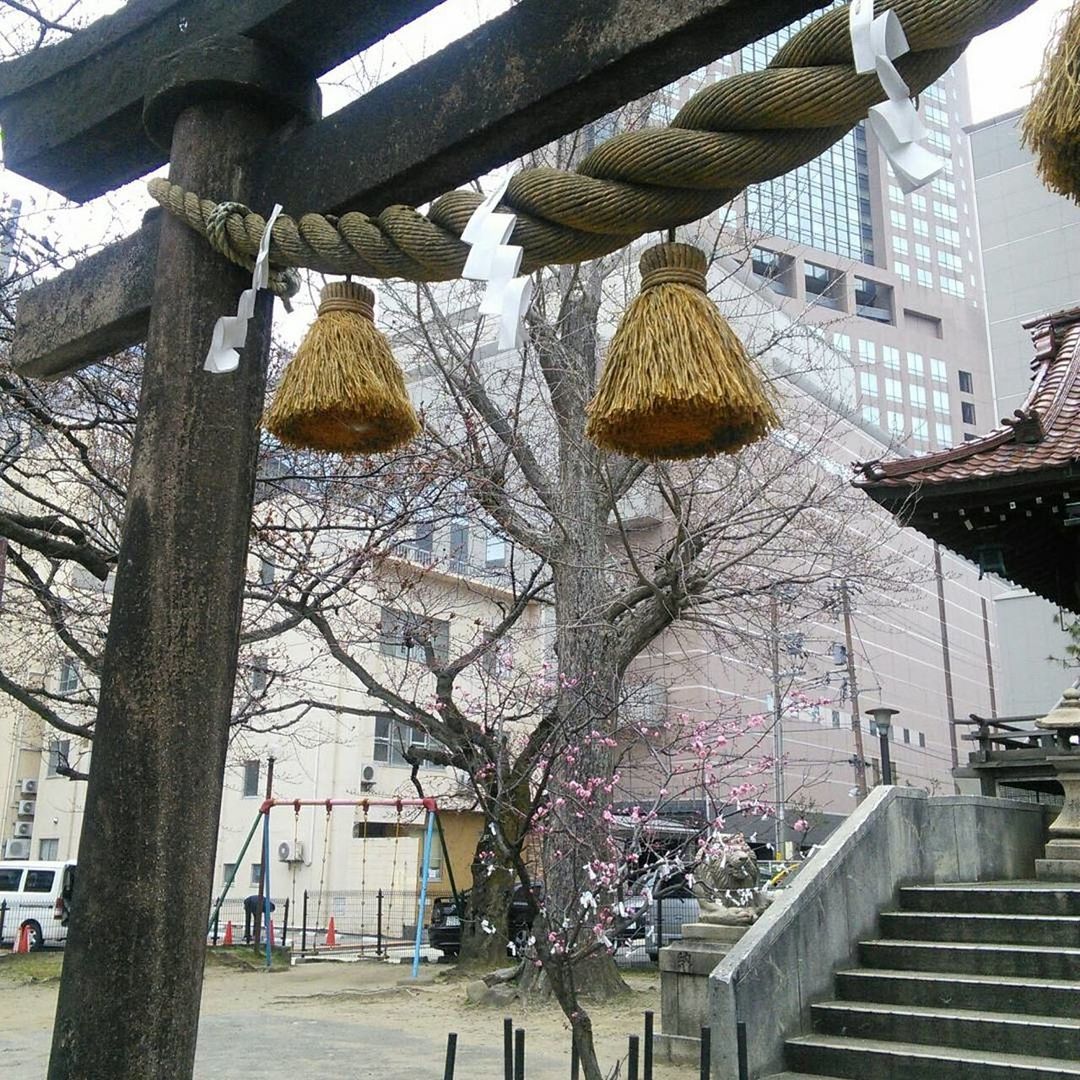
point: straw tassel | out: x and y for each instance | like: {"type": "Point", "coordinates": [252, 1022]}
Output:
{"type": "Point", "coordinates": [677, 383]}
{"type": "Point", "coordinates": [344, 391]}
{"type": "Point", "coordinates": [1051, 124]}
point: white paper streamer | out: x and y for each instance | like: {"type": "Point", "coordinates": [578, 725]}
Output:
{"type": "Point", "coordinates": [230, 331]}
{"type": "Point", "coordinates": [493, 260]}
{"type": "Point", "coordinates": [875, 44]}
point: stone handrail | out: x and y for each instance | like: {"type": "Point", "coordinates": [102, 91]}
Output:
{"type": "Point", "coordinates": [898, 836]}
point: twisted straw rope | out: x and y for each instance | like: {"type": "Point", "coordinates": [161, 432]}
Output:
{"type": "Point", "coordinates": [734, 133]}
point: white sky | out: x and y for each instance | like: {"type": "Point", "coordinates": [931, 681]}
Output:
{"type": "Point", "coordinates": [1003, 63]}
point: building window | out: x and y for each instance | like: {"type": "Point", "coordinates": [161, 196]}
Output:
{"type": "Point", "coordinates": [59, 752]}
{"type": "Point", "coordinates": [920, 428]}
{"type": "Point", "coordinates": [867, 352]}
{"type": "Point", "coordinates": [922, 739]}
{"type": "Point", "coordinates": [951, 262]}
{"type": "Point", "coordinates": [967, 384]}
{"type": "Point", "coordinates": [925, 278]}
{"type": "Point", "coordinates": [393, 738]}
{"type": "Point", "coordinates": [256, 874]}
{"type": "Point", "coordinates": [872, 415]}
{"type": "Point", "coordinates": [823, 284]}
{"type": "Point", "coordinates": [918, 203]}
{"type": "Point", "coordinates": [424, 537]}
{"type": "Point", "coordinates": [967, 412]}
{"type": "Point", "coordinates": [873, 300]}
{"type": "Point", "coordinates": [459, 544]}
{"type": "Point", "coordinates": [941, 402]}
{"type": "Point", "coordinates": [868, 383]}
{"type": "Point", "coordinates": [953, 287]}
{"type": "Point", "coordinates": [948, 213]}
{"type": "Point", "coordinates": [897, 424]}
{"type": "Point", "coordinates": [944, 434]}
{"type": "Point", "coordinates": [948, 236]}
{"type": "Point", "coordinates": [917, 396]}
{"type": "Point", "coordinates": [902, 271]}
{"type": "Point", "coordinates": [773, 268]}
{"type": "Point", "coordinates": [266, 572]}
{"type": "Point", "coordinates": [495, 550]}
{"type": "Point", "coordinates": [405, 634]}
{"type": "Point", "coordinates": [915, 364]}
{"type": "Point", "coordinates": [922, 253]}
{"type": "Point", "coordinates": [921, 227]}
{"type": "Point", "coordinates": [907, 736]}
{"type": "Point", "coordinates": [890, 357]}
{"type": "Point", "coordinates": [842, 343]}
{"type": "Point", "coordinates": [252, 770]}
{"type": "Point", "coordinates": [260, 674]}
{"type": "Point", "coordinates": [938, 371]}
{"type": "Point", "coordinates": [68, 680]}
{"type": "Point", "coordinates": [896, 194]}
{"type": "Point", "coordinates": [898, 219]}
{"type": "Point", "coordinates": [227, 871]}
{"type": "Point", "coordinates": [893, 390]}
{"type": "Point", "coordinates": [49, 850]}
{"type": "Point", "coordinates": [900, 245]}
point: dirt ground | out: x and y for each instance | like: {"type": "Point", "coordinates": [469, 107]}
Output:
{"type": "Point", "coordinates": [340, 1020]}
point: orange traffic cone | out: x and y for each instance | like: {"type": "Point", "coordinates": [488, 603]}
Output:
{"type": "Point", "coordinates": [331, 934]}
{"type": "Point", "coordinates": [22, 942]}
{"type": "Point", "coordinates": [227, 939]}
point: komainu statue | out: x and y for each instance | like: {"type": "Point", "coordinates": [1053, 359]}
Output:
{"type": "Point", "coordinates": [726, 881]}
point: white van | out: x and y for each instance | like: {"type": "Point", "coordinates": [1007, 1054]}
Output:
{"type": "Point", "coordinates": [36, 895]}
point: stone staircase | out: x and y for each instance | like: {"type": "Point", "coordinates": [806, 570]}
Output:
{"type": "Point", "coordinates": [966, 982]}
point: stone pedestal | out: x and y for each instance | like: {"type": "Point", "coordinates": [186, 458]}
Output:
{"type": "Point", "coordinates": [1062, 862]}
{"type": "Point", "coordinates": [685, 968]}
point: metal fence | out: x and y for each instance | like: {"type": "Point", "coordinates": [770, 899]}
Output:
{"type": "Point", "coordinates": [380, 923]}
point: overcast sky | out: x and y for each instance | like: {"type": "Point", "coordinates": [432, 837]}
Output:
{"type": "Point", "coordinates": [1003, 63]}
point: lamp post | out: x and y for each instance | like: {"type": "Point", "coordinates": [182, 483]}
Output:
{"type": "Point", "coordinates": [882, 716]}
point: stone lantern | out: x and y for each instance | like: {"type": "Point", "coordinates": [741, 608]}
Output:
{"type": "Point", "coordinates": [1062, 860]}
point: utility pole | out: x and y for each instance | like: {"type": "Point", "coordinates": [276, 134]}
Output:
{"type": "Point", "coordinates": [778, 727]}
{"type": "Point", "coordinates": [853, 689]}
{"type": "Point", "coordinates": [989, 660]}
{"type": "Point", "coordinates": [946, 663]}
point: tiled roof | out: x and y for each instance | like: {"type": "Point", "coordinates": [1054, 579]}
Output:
{"type": "Point", "coordinates": [1043, 434]}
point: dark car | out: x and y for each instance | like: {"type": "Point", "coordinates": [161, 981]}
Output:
{"type": "Point", "coordinates": [447, 914]}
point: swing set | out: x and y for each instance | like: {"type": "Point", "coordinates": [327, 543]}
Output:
{"type": "Point", "coordinates": [431, 811]}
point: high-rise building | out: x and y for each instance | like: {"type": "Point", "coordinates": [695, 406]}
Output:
{"type": "Point", "coordinates": [1031, 266]}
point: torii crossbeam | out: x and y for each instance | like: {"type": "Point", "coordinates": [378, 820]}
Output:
{"type": "Point", "coordinates": [228, 86]}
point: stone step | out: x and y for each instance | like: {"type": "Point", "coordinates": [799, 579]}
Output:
{"type": "Point", "coordinates": [1036, 961]}
{"type": "Point", "coordinates": [994, 898]}
{"type": "Point", "coordinates": [1007, 1033]}
{"type": "Point", "coordinates": [987, 993]}
{"type": "Point", "coordinates": [1057, 869]}
{"type": "Point", "coordinates": [869, 1059]}
{"type": "Point", "coordinates": [1011, 929]}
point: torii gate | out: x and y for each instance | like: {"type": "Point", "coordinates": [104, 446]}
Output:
{"type": "Point", "coordinates": [227, 93]}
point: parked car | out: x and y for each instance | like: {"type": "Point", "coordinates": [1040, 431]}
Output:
{"type": "Point", "coordinates": [447, 915]}
{"type": "Point", "coordinates": [36, 895]}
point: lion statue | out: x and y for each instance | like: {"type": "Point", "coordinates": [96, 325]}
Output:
{"type": "Point", "coordinates": [726, 881]}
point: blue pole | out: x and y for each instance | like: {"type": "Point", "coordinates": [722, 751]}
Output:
{"type": "Point", "coordinates": [266, 886]}
{"type": "Point", "coordinates": [423, 893]}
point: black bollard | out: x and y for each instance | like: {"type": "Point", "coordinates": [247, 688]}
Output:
{"type": "Point", "coordinates": [740, 1043]}
{"type": "Point", "coordinates": [451, 1055]}
{"type": "Point", "coordinates": [519, 1054]}
{"type": "Point", "coordinates": [648, 1045]}
{"type": "Point", "coordinates": [508, 1049]}
{"type": "Point", "coordinates": [706, 1053]}
{"type": "Point", "coordinates": [632, 1059]}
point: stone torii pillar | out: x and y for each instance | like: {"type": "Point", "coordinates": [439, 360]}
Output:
{"type": "Point", "coordinates": [154, 793]}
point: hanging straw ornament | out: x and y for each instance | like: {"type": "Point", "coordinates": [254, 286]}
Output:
{"type": "Point", "coordinates": [1051, 126]}
{"type": "Point", "coordinates": [677, 382]}
{"type": "Point", "coordinates": [344, 391]}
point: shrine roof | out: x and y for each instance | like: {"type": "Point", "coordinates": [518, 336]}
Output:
{"type": "Point", "coordinates": [1042, 434]}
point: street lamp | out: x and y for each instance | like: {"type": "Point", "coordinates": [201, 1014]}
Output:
{"type": "Point", "coordinates": [883, 715]}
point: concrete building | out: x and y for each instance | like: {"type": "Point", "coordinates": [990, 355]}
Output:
{"type": "Point", "coordinates": [1031, 265]}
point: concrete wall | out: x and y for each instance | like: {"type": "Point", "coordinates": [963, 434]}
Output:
{"type": "Point", "coordinates": [1028, 636]}
{"type": "Point", "coordinates": [897, 837]}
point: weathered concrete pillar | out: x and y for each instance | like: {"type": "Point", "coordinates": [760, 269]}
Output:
{"type": "Point", "coordinates": [132, 980]}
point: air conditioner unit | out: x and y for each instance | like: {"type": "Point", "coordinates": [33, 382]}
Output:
{"type": "Point", "coordinates": [367, 777]}
{"type": "Point", "coordinates": [28, 787]}
{"type": "Point", "coordinates": [23, 828]}
{"type": "Point", "coordinates": [17, 849]}
{"type": "Point", "coordinates": [26, 808]}
{"type": "Point", "coordinates": [291, 851]}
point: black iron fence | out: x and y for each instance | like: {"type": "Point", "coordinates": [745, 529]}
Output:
{"type": "Point", "coordinates": [380, 923]}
